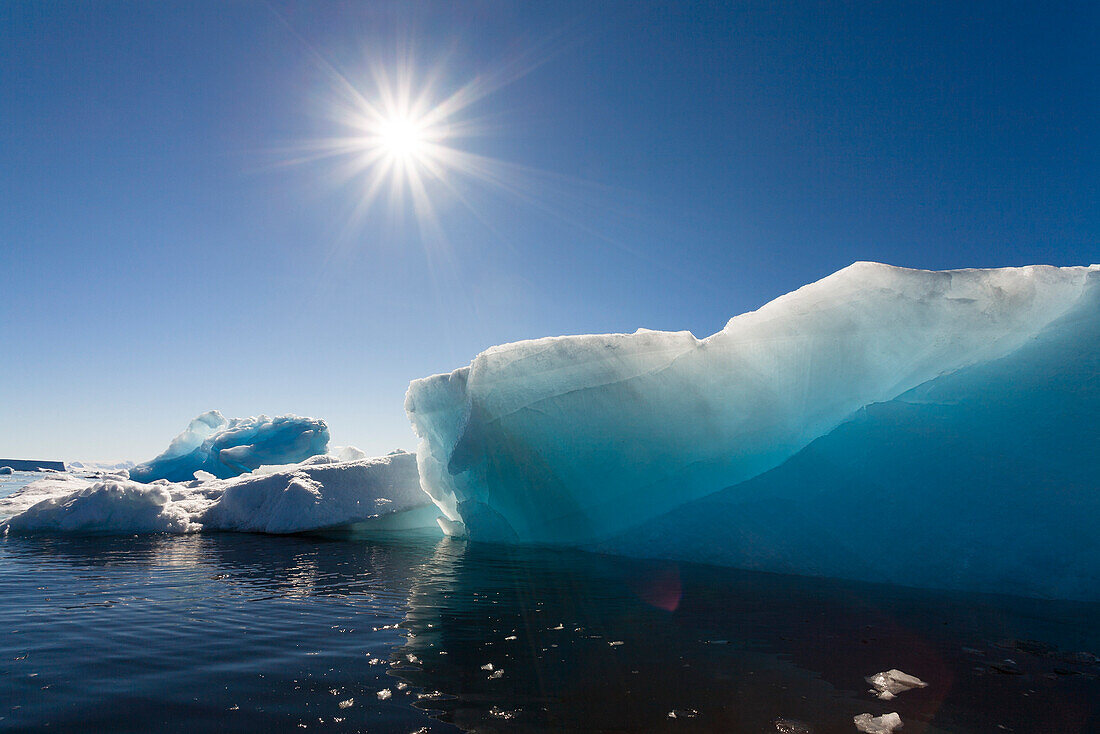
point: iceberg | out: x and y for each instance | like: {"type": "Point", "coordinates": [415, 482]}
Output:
{"type": "Point", "coordinates": [229, 448]}
{"type": "Point", "coordinates": [321, 493]}
{"type": "Point", "coordinates": [662, 444]}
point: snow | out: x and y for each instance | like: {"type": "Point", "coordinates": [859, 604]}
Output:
{"type": "Point", "coordinates": [99, 466]}
{"type": "Point", "coordinates": [49, 486]}
{"type": "Point", "coordinates": [106, 507]}
{"type": "Point", "coordinates": [228, 448]}
{"type": "Point", "coordinates": [319, 496]}
{"type": "Point", "coordinates": [380, 493]}
{"type": "Point", "coordinates": [600, 439]}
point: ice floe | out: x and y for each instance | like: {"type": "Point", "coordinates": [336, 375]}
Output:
{"type": "Point", "coordinates": [884, 724]}
{"type": "Point", "coordinates": [888, 684]}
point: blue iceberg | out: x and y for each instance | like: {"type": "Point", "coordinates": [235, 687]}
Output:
{"type": "Point", "coordinates": [886, 424]}
{"type": "Point", "coordinates": [229, 448]}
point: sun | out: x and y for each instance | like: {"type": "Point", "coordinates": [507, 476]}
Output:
{"type": "Point", "coordinates": [403, 138]}
{"type": "Point", "coordinates": [410, 138]}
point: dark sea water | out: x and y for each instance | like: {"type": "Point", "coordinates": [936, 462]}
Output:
{"type": "Point", "coordinates": [231, 632]}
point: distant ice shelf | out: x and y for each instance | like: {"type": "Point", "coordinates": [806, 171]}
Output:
{"type": "Point", "coordinates": [887, 424]}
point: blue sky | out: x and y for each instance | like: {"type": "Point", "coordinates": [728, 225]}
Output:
{"type": "Point", "coordinates": [681, 163]}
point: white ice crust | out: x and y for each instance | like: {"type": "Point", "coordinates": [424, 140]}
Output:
{"type": "Point", "coordinates": [572, 439]}
{"type": "Point", "coordinates": [322, 492]}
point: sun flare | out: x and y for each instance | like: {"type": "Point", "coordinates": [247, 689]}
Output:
{"type": "Point", "coordinates": [406, 137]}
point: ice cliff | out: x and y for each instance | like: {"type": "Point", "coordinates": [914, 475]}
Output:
{"type": "Point", "coordinates": [971, 390]}
{"type": "Point", "coordinates": [228, 448]}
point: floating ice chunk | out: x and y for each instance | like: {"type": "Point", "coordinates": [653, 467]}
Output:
{"type": "Point", "coordinates": [204, 476]}
{"type": "Point", "coordinates": [384, 694]}
{"type": "Point", "coordinates": [6, 470]}
{"type": "Point", "coordinates": [682, 714]}
{"type": "Point", "coordinates": [105, 507]}
{"type": "Point", "coordinates": [884, 724]}
{"type": "Point", "coordinates": [790, 726]}
{"type": "Point", "coordinates": [487, 666]}
{"type": "Point", "coordinates": [888, 684]}
{"type": "Point", "coordinates": [230, 448]}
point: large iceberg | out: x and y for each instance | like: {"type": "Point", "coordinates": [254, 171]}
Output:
{"type": "Point", "coordinates": [599, 440]}
{"type": "Point", "coordinates": [228, 448]}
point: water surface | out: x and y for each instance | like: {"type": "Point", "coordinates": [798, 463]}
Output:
{"type": "Point", "coordinates": [229, 632]}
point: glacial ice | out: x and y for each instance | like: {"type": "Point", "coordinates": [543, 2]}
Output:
{"type": "Point", "coordinates": [608, 441]}
{"type": "Point", "coordinates": [367, 495]}
{"type": "Point", "coordinates": [982, 479]}
{"type": "Point", "coordinates": [228, 448]}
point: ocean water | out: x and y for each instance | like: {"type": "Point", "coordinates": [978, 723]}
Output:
{"type": "Point", "coordinates": [234, 632]}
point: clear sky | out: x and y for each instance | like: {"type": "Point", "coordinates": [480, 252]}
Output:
{"type": "Point", "coordinates": [168, 246]}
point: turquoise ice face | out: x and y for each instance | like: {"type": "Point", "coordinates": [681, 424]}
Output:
{"type": "Point", "coordinates": [228, 448]}
{"type": "Point", "coordinates": [589, 439]}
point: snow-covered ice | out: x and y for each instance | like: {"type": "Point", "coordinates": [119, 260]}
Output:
{"type": "Point", "coordinates": [320, 495]}
{"type": "Point", "coordinates": [109, 506]}
{"type": "Point", "coordinates": [601, 439]}
{"type": "Point", "coordinates": [228, 448]}
{"type": "Point", "coordinates": [322, 492]}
